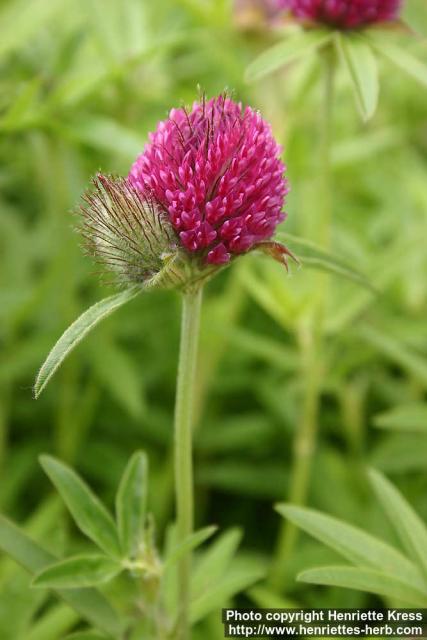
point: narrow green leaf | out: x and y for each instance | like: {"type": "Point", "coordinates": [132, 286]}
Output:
{"type": "Point", "coordinates": [23, 111]}
{"type": "Point", "coordinates": [215, 597]}
{"type": "Point", "coordinates": [268, 298]}
{"type": "Point", "coordinates": [231, 475]}
{"type": "Point", "coordinates": [399, 56]}
{"type": "Point", "coordinates": [396, 350]}
{"type": "Point", "coordinates": [362, 66]}
{"type": "Point", "coordinates": [57, 619]}
{"type": "Point", "coordinates": [78, 571]}
{"type": "Point", "coordinates": [191, 542]}
{"type": "Point", "coordinates": [106, 134]}
{"type": "Point", "coordinates": [270, 350]}
{"type": "Point", "coordinates": [88, 603]}
{"type": "Point", "coordinates": [87, 635]}
{"type": "Point", "coordinates": [77, 331]}
{"type": "Point", "coordinates": [89, 513]}
{"type": "Point", "coordinates": [401, 453]}
{"type": "Point", "coordinates": [215, 561]}
{"type": "Point", "coordinates": [316, 258]}
{"type": "Point", "coordinates": [367, 580]}
{"type": "Point", "coordinates": [131, 502]}
{"type": "Point", "coordinates": [21, 548]}
{"type": "Point", "coordinates": [408, 525]}
{"type": "Point", "coordinates": [267, 598]}
{"type": "Point", "coordinates": [120, 375]}
{"type": "Point", "coordinates": [289, 50]}
{"type": "Point", "coordinates": [352, 543]}
{"type": "Point", "coordinates": [411, 417]}
{"type": "Point", "coordinates": [365, 145]}
{"type": "Point", "coordinates": [238, 433]}
{"type": "Point", "coordinates": [17, 25]}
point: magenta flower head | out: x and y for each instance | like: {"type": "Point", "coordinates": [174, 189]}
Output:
{"type": "Point", "coordinates": [216, 171]}
{"type": "Point", "coordinates": [208, 187]}
{"type": "Point", "coordinates": [344, 14]}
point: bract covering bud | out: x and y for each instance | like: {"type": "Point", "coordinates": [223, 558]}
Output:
{"type": "Point", "coordinates": [131, 235]}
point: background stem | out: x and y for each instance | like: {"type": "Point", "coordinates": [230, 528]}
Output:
{"type": "Point", "coordinates": [184, 404]}
{"type": "Point", "coordinates": [310, 337]}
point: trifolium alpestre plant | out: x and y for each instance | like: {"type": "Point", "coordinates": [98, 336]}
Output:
{"type": "Point", "coordinates": [208, 187]}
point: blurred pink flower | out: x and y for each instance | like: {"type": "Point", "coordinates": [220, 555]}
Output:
{"type": "Point", "coordinates": [344, 14]}
{"type": "Point", "coordinates": [216, 171]}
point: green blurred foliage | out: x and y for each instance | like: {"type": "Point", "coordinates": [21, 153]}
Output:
{"type": "Point", "coordinates": [82, 83]}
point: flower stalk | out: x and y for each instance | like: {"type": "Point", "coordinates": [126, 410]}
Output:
{"type": "Point", "coordinates": [184, 405]}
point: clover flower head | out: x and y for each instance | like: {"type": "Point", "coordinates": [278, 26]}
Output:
{"type": "Point", "coordinates": [215, 170]}
{"type": "Point", "coordinates": [344, 14]}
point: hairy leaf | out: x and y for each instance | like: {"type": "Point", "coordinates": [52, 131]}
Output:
{"type": "Point", "coordinates": [131, 503]}
{"type": "Point", "coordinates": [215, 561]}
{"type": "Point", "coordinates": [362, 67]}
{"type": "Point", "coordinates": [89, 513]}
{"type": "Point", "coordinates": [396, 350]}
{"type": "Point", "coordinates": [289, 50]}
{"type": "Point", "coordinates": [87, 635]}
{"type": "Point", "coordinates": [313, 256]}
{"type": "Point", "coordinates": [76, 332]}
{"type": "Point", "coordinates": [215, 597]}
{"type": "Point", "coordinates": [408, 525]}
{"type": "Point", "coordinates": [406, 417]}
{"type": "Point", "coordinates": [55, 621]}
{"type": "Point", "coordinates": [191, 542]}
{"type": "Point", "coordinates": [78, 571]}
{"type": "Point", "coordinates": [352, 543]}
{"type": "Point", "coordinates": [368, 580]}
{"type": "Point", "coordinates": [399, 56]}
{"type": "Point", "coordinates": [89, 603]}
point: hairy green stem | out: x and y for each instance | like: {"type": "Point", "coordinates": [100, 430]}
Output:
{"type": "Point", "coordinates": [310, 337]}
{"type": "Point", "coordinates": [231, 308]}
{"type": "Point", "coordinates": [4, 427]}
{"type": "Point", "coordinates": [184, 405]}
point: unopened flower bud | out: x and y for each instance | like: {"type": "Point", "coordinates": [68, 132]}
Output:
{"type": "Point", "coordinates": [131, 235]}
